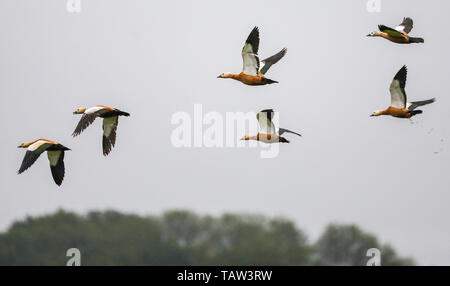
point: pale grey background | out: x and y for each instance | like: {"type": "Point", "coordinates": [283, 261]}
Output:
{"type": "Point", "coordinates": [153, 58]}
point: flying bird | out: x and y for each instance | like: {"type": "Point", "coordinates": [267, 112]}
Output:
{"type": "Point", "coordinates": [110, 121]}
{"type": "Point", "coordinates": [55, 153]}
{"type": "Point", "coordinates": [267, 131]}
{"type": "Point", "coordinates": [399, 106]}
{"type": "Point", "coordinates": [398, 35]}
{"type": "Point", "coordinates": [253, 71]}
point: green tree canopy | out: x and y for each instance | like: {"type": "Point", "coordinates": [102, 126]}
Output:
{"type": "Point", "coordinates": [182, 238]}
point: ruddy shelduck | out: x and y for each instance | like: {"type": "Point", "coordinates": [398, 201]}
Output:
{"type": "Point", "coordinates": [110, 121]}
{"type": "Point", "coordinates": [55, 153]}
{"type": "Point", "coordinates": [398, 35]}
{"type": "Point", "coordinates": [267, 131]}
{"type": "Point", "coordinates": [399, 106]}
{"type": "Point", "coordinates": [253, 71]}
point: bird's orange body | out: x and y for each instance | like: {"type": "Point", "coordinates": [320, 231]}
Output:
{"type": "Point", "coordinates": [397, 112]}
{"type": "Point", "coordinates": [249, 79]}
{"type": "Point", "coordinates": [398, 40]}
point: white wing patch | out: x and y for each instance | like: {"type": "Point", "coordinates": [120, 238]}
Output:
{"type": "Point", "coordinates": [266, 125]}
{"type": "Point", "coordinates": [39, 146]}
{"type": "Point", "coordinates": [398, 97]}
{"type": "Point", "coordinates": [109, 124]}
{"type": "Point", "coordinates": [400, 29]}
{"type": "Point", "coordinates": [93, 109]}
{"type": "Point", "coordinates": [53, 157]}
{"type": "Point", "coordinates": [250, 61]}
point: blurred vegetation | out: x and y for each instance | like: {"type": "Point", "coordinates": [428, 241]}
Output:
{"type": "Point", "coordinates": [183, 238]}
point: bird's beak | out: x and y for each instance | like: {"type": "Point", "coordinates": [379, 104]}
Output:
{"type": "Point", "coordinates": [75, 112]}
{"type": "Point", "coordinates": [371, 115]}
{"type": "Point", "coordinates": [19, 146]}
{"type": "Point", "coordinates": [220, 76]}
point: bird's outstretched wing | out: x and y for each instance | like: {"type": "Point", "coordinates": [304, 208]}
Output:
{"type": "Point", "coordinates": [406, 26]}
{"type": "Point", "coordinates": [86, 120]}
{"type": "Point", "coordinates": [109, 133]}
{"type": "Point", "coordinates": [266, 125]}
{"type": "Point", "coordinates": [413, 105]}
{"type": "Point", "coordinates": [56, 159]}
{"type": "Point", "coordinates": [397, 89]}
{"type": "Point", "coordinates": [283, 130]}
{"type": "Point", "coordinates": [33, 152]}
{"type": "Point", "coordinates": [267, 63]}
{"type": "Point", "coordinates": [250, 53]}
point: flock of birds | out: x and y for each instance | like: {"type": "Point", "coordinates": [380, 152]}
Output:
{"type": "Point", "coordinates": [253, 73]}
{"type": "Point", "coordinates": [55, 151]}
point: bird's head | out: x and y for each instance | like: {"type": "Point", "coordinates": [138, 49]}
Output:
{"type": "Point", "coordinates": [24, 145]}
{"type": "Point", "coordinates": [373, 34]}
{"type": "Point", "coordinates": [377, 113]}
{"type": "Point", "coordinates": [225, 75]}
{"type": "Point", "coordinates": [80, 110]}
{"type": "Point", "coordinates": [247, 138]}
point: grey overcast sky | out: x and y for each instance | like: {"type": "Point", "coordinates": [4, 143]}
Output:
{"type": "Point", "coordinates": [155, 58]}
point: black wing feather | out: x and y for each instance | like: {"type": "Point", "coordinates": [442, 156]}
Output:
{"type": "Point", "coordinates": [110, 141]}
{"type": "Point", "coordinates": [384, 28]}
{"type": "Point", "coordinates": [253, 39]}
{"type": "Point", "coordinates": [416, 104]}
{"type": "Point", "coordinates": [408, 24]}
{"type": "Point", "coordinates": [283, 130]}
{"type": "Point", "coordinates": [401, 76]}
{"type": "Point", "coordinates": [272, 60]}
{"type": "Point", "coordinates": [59, 171]}
{"type": "Point", "coordinates": [85, 121]}
{"type": "Point", "coordinates": [28, 160]}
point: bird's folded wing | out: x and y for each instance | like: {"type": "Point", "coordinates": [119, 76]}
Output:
{"type": "Point", "coordinates": [391, 32]}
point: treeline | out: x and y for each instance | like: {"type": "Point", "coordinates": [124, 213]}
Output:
{"type": "Point", "coordinates": [184, 238]}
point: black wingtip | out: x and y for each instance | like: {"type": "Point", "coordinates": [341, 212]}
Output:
{"type": "Point", "coordinates": [254, 33]}
{"type": "Point", "coordinates": [253, 39]}
{"type": "Point", "coordinates": [402, 74]}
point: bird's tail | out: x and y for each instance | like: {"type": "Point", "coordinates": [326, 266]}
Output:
{"type": "Point", "coordinates": [415, 112]}
{"type": "Point", "coordinates": [416, 40]}
{"type": "Point", "coordinates": [269, 81]}
{"type": "Point", "coordinates": [119, 112]}
{"type": "Point", "coordinates": [64, 148]}
{"type": "Point", "coordinates": [283, 140]}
